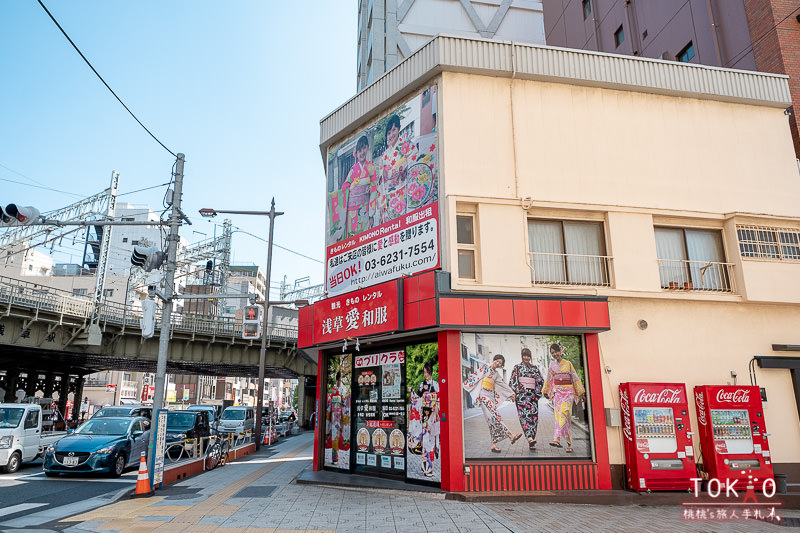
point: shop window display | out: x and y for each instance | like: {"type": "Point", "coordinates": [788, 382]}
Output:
{"type": "Point", "coordinates": [525, 397]}
{"type": "Point", "coordinates": [422, 374]}
{"type": "Point", "coordinates": [337, 411]}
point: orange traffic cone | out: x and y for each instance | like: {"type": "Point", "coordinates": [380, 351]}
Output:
{"type": "Point", "coordinates": [143, 489]}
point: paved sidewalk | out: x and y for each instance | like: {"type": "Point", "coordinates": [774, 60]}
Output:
{"type": "Point", "coordinates": [258, 494]}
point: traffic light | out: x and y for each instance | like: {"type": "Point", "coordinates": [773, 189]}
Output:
{"type": "Point", "coordinates": [209, 266]}
{"type": "Point", "coordinates": [147, 257]}
{"type": "Point", "coordinates": [251, 321]}
{"type": "Point", "coordinates": [18, 215]}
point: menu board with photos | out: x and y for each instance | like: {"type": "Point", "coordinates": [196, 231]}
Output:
{"type": "Point", "coordinates": [379, 413]}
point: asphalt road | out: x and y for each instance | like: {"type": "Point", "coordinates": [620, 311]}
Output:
{"type": "Point", "coordinates": [28, 499]}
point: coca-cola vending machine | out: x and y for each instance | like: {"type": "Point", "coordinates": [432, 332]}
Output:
{"type": "Point", "coordinates": [658, 438]}
{"type": "Point", "coordinates": [730, 420]}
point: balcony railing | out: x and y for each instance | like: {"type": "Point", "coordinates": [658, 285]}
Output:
{"type": "Point", "coordinates": [712, 276]}
{"type": "Point", "coordinates": [569, 269]}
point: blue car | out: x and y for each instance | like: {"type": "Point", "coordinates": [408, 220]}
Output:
{"type": "Point", "coordinates": [107, 444]}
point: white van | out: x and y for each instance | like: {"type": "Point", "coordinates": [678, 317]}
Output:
{"type": "Point", "coordinates": [236, 419]}
{"type": "Point", "coordinates": [22, 438]}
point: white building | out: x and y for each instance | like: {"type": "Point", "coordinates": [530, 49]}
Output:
{"type": "Point", "coordinates": [391, 30]}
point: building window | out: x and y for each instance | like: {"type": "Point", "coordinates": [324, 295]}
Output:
{"type": "Point", "coordinates": [567, 253]}
{"type": "Point", "coordinates": [587, 9]}
{"type": "Point", "coordinates": [124, 239]}
{"type": "Point", "coordinates": [769, 243]}
{"type": "Point", "coordinates": [135, 243]}
{"type": "Point", "coordinates": [465, 236]}
{"type": "Point", "coordinates": [108, 293]}
{"type": "Point", "coordinates": [692, 259]}
{"type": "Point", "coordinates": [619, 36]}
{"type": "Point", "coordinates": [687, 53]}
{"type": "Point", "coordinates": [80, 292]}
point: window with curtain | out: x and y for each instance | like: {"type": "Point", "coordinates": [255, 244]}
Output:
{"type": "Point", "coordinates": [691, 258]}
{"type": "Point", "coordinates": [567, 252]}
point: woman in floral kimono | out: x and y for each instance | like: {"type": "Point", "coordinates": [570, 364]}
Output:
{"type": "Point", "coordinates": [526, 381]}
{"type": "Point", "coordinates": [361, 191]}
{"type": "Point", "coordinates": [336, 400]}
{"type": "Point", "coordinates": [563, 386]}
{"type": "Point", "coordinates": [428, 391]}
{"type": "Point", "coordinates": [394, 163]}
{"type": "Point", "coordinates": [487, 389]}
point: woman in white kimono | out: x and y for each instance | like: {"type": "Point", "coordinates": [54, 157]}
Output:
{"type": "Point", "coordinates": [487, 389]}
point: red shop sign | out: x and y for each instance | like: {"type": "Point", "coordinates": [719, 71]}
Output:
{"type": "Point", "coordinates": [358, 313]}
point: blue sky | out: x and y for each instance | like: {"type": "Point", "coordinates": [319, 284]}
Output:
{"type": "Point", "coordinates": [238, 86]}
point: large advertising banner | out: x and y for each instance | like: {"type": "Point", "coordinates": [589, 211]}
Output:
{"type": "Point", "coordinates": [524, 397]}
{"type": "Point", "coordinates": [382, 199]}
{"type": "Point", "coordinates": [422, 375]}
{"type": "Point", "coordinates": [337, 411]}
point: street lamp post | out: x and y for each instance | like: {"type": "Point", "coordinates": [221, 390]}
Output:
{"type": "Point", "coordinates": [206, 212]}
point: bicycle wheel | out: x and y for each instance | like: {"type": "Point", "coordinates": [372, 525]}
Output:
{"type": "Point", "coordinates": [213, 456]}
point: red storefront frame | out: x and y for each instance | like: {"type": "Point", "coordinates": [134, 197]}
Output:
{"type": "Point", "coordinates": [426, 307]}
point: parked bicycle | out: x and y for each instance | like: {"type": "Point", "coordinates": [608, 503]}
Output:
{"type": "Point", "coordinates": [217, 454]}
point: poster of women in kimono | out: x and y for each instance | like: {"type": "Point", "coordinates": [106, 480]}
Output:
{"type": "Point", "coordinates": [382, 198]}
{"type": "Point", "coordinates": [524, 396]}
{"type": "Point", "coordinates": [337, 411]}
{"type": "Point", "coordinates": [422, 377]}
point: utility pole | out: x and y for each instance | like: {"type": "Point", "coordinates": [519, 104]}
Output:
{"type": "Point", "coordinates": [263, 353]}
{"type": "Point", "coordinates": [163, 339]}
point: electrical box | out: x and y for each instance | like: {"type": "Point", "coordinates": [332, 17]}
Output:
{"type": "Point", "coordinates": [613, 417]}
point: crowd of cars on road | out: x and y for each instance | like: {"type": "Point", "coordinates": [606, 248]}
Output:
{"type": "Point", "coordinates": [114, 438]}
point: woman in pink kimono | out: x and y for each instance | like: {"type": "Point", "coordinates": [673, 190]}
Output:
{"type": "Point", "coordinates": [335, 401]}
{"type": "Point", "coordinates": [487, 389]}
{"type": "Point", "coordinates": [393, 166]}
{"type": "Point", "coordinates": [361, 191]}
{"type": "Point", "coordinates": [563, 386]}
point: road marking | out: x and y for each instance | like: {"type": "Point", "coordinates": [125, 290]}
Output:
{"type": "Point", "coordinates": [21, 507]}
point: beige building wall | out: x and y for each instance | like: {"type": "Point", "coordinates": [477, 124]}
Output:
{"type": "Point", "coordinates": [519, 149]}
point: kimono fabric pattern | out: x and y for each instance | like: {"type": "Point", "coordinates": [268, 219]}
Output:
{"type": "Point", "coordinates": [361, 191]}
{"type": "Point", "coordinates": [394, 165]}
{"type": "Point", "coordinates": [487, 389]}
{"type": "Point", "coordinates": [564, 386]}
{"type": "Point", "coordinates": [526, 381]}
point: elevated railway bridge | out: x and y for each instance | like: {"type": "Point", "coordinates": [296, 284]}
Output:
{"type": "Point", "coordinates": [45, 348]}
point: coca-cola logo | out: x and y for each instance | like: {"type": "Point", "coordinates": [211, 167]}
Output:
{"type": "Point", "coordinates": [737, 396]}
{"type": "Point", "coordinates": [625, 408]}
{"type": "Point", "coordinates": [700, 400]}
{"type": "Point", "coordinates": [662, 396]}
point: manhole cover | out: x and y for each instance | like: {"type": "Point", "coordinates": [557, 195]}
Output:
{"type": "Point", "coordinates": [256, 492]}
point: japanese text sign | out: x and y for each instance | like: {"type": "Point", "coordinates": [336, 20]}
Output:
{"type": "Point", "coordinates": [358, 313]}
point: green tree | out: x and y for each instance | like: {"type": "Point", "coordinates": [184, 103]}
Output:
{"type": "Point", "coordinates": [416, 357]}
{"type": "Point", "coordinates": [572, 350]}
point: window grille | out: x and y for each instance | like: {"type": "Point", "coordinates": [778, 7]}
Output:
{"type": "Point", "coordinates": [782, 244]}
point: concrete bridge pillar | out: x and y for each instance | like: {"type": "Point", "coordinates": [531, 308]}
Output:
{"type": "Point", "coordinates": [49, 385]}
{"type": "Point", "coordinates": [11, 386]}
{"type": "Point", "coordinates": [77, 398]}
{"type": "Point", "coordinates": [63, 394]}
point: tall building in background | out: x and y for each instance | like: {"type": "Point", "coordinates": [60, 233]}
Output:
{"type": "Point", "coordinates": [762, 35]}
{"type": "Point", "coordinates": [390, 30]}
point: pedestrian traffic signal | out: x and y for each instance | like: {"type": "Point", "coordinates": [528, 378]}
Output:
{"type": "Point", "coordinates": [147, 257]}
{"type": "Point", "coordinates": [19, 215]}
{"type": "Point", "coordinates": [252, 318]}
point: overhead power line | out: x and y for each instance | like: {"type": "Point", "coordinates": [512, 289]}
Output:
{"type": "Point", "coordinates": [101, 79]}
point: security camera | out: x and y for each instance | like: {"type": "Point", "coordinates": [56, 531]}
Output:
{"type": "Point", "coordinates": [733, 373]}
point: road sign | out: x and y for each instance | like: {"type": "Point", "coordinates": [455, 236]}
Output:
{"type": "Point", "coordinates": [161, 445]}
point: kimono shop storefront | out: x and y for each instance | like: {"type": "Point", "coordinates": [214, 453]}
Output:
{"type": "Point", "coordinates": [466, 391]}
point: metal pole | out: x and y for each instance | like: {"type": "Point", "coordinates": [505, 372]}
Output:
{"type": "Point", "coordinates": [263, 353]}
{"type": "Point", "coordinates": [163, 339]}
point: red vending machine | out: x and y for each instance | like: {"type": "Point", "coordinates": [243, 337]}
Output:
{"type": "Point", "coordinates": [658, 438]}
{"type": "Point", "coordinates": [730, 419]}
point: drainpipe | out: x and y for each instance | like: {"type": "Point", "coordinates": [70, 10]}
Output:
{"type": "Point", "coordinates": [716, 33]}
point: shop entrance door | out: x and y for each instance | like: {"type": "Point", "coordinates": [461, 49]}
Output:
{"type": "Point", "coordinates": [379, 421]}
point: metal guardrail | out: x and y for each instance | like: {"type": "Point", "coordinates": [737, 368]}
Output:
{"type": "Point", "coordinates": [696, 275]}
{"type": "Point", "coordinates": [569, 269]}
{"type": "Point", "coordinates": [19, 293]}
